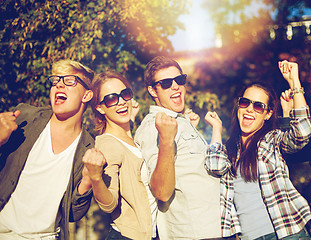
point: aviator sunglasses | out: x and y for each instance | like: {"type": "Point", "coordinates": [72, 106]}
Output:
{"type": "Point", "coordinates": [257, 106]}
{"type": "Point", "coordinates": [113, 98]}
{"type": "Point", "coordinates": [167, 83]}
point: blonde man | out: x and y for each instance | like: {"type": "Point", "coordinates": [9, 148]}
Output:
{"type": "Point", "coordinates": [40, 159]}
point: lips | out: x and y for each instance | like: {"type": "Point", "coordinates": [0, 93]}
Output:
{"type": "Point", "coordinates": [247, 120]}
{"type": "Point", "coordinates": [122, 111]}
{"type": "Point", "coordinates": [60, 97]}
{"type": "Point", "coordinates": [176, 98]}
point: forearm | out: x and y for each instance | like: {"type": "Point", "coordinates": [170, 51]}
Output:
{"type": "Point", "coordinates": [298, 97]}
{"type": "Point", "coordinates": [101, 192]}
{"type": "Point", "coordinates": [163, 178]}
{"type": "Point", "coordinates": [216, 136]}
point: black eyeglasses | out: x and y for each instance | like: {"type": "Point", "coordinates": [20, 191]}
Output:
{"type": "Point", "coordinates": [68, 80]}
{"type": "Point", "coordinates": [167, 83]}
{"type": "Point", "coordinates": [257, 106]}
{"type": "Point", "coordinates": [113, 98]}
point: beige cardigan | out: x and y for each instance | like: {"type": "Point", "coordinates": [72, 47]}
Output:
{"type": "Point", "coordinates": [130, 209]}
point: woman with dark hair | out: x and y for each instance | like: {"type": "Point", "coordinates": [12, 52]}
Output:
{"type": "Point", "coordinates": [258, 199]}
{"type": "Point", "coordinates": [120, 187]}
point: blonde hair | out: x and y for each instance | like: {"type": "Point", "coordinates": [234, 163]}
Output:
{"type": "Point", "coordinates": [68, 65]}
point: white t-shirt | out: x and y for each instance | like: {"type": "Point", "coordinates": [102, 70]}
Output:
{"type": "Point", "coordinates": [34, 204]}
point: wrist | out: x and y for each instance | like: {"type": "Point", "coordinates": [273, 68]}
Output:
{"type": "Point", "coordinates": [296, 90]}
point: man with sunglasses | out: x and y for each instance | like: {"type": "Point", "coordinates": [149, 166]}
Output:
{"type": "Point", "coordinates": [41, 151]}
{"type": "Point", "coordinates": [188, 198]}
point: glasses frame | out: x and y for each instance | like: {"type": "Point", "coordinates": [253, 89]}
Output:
{"type": "Point", "coordinates": [180, 80]}
{"type": "Point", "coordinates": [118, 97]}
{"type": "Point", "coordinates": [265, 106]}
{"type": "Point", "coordinates": [77, 79]}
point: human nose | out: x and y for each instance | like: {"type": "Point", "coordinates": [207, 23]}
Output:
{"type": "Point", "coordinates": [60, 82]}
{"type": "Point", "coordinates": [250, 107]}
{"type": "Point", "coordinates": [174, 85]}
{"type": "Point", "coordinates": [121, 101]}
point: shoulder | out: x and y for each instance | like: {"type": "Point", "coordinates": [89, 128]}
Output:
{"type": "Point", "coordinates": [107, 143]}
{"type": "Point", "coordinates": [113, 150]}
{"type": "Point", "coordinates": [147, 123]}
{"type": "Point", "coordinates": [271, 139]}
{"type": "Point", "coordinates": [30, 109]}
{"type": "Point", "coordinates": [87, 138]}
{"type": "Point", "coordinates": [31, 112]}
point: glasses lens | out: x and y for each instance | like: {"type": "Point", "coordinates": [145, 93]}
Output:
{"type": "Point", "coordinates": [54, 80]}
{"type": "Point", "coordinates": [166, 83]}
{"type": "Point", "coordinates": [181, 80]}
{"type": "Point", "coordinates": [111, 99]}
{"type": "Point", "coordinates": [69, 80]}
{"type": "Point", "coordinates": [244, 102]}
{"type": "Point", "coordinates": [126, 94]}
{"type": "Point", "coordinates": [259, 107]}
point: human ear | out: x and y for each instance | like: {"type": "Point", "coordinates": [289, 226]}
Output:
{"type": "Point", "coordinates": [100, 110]}
{"type": "Point", "coordinates": [88, 95]}
{"type": "Point", "coordinates": [268, 116]}
{"type": "Point", "coordinates": [152, 92]}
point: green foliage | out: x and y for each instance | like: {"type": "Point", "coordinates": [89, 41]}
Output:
{"type": "Point", "coordinates": [101, 34]}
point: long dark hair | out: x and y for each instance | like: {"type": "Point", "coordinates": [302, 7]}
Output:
{"type": "Point", "coordinates": [247, 160]}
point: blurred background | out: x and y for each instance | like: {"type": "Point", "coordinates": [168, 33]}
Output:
{"type": "Point", "coordinates": [222, 45]}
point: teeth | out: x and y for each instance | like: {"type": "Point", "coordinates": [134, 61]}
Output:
{"type": "Point", "coordinates": [175, 95]}
{"type": "Point", "coordinates": [122, 110]}
{"type": "Point", "coordinates": [248, 117]}
{"type": "Point", "coordinates": [61, 96]}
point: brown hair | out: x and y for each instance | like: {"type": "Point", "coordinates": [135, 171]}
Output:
{"type": "Point", "coordinates": [99, 80]}
{"type": "Point", "coordinates": [248, 156]}
{"type": "Point", "coordinates": [156, 64]}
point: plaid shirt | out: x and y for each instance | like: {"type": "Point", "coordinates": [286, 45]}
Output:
{"type": "Point", "coordinates": [288, 210]}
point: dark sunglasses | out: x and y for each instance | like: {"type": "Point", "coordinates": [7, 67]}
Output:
{"type": "Point", "coordinates": [167, 83]}
{"type": "Point", "coordinates": [68, 80]}
{"type": "Point", "coordinates": [257, 106]}
{"type": "Point", "coordinates": [113, 98]}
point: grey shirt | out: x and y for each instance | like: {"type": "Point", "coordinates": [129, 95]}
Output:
{"type": "Point", "coordinates": [193, 212]}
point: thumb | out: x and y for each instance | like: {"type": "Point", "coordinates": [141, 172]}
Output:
{"type": "Point", "coordinates": [17, 113]}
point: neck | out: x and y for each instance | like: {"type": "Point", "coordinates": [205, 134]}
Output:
{"type": "Point", "coordinates": [72, 124]}
{"type": "Point", "coordinates": [122, 132]}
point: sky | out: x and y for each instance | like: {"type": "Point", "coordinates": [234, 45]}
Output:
{"type": "Point", "coordinates": [199, 28]}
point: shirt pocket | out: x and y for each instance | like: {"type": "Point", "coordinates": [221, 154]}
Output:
{"type": "Point", "coordinates": [266, 152]}
{"type": "Point", "coordinates": [192, 143]}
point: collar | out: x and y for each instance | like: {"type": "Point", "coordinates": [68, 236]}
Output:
{"type": "Point", "coordinates": [155, 109]}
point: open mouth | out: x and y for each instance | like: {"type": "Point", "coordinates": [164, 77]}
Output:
{"type": "Point", "coordinates": [247, 120]}
{"type": "Point", "coordinates": [123, 111]}
{"type": "Point", "coordinates": [176, 98]}
{"type": "Point", "coordinates": [60, 98]}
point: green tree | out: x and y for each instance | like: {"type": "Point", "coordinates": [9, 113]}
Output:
{"type": "Point", "coordinates": [102, 34]}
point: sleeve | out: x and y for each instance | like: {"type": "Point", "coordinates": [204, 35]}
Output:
{"type": "Point", "coordinates": [147, 139]}
{"type": "Point", "coordinates": [299, 133]}
{"type": "Point", "coordinates": [217, 162]}
{"type": "Point", "coordinates": [80, 204]}
{"type": "Point", "coordinates": [112, 151]}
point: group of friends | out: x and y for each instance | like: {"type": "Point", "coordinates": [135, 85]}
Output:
{"type": "Point", "coordinates": [166, 182]}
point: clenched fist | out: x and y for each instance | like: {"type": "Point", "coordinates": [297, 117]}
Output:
{"type": "Point", "coordinates": [7, 125]}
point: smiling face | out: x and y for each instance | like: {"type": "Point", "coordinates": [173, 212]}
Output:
{"type": "Point", "coordinates": [251, 121]}
{"type": "Point", "coordinates": [172, 98]}
{"type": "Point", "coordinates": [67, 101]}
{"type": "Point", "coordinates": [118, 114]}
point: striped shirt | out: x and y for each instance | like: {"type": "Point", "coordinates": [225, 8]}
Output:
{"type": "Point", "coordinates": [288, 210]}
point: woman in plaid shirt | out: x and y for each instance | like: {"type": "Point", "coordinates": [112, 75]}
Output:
{"type": "Point", "coordinates": [258, 200]}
